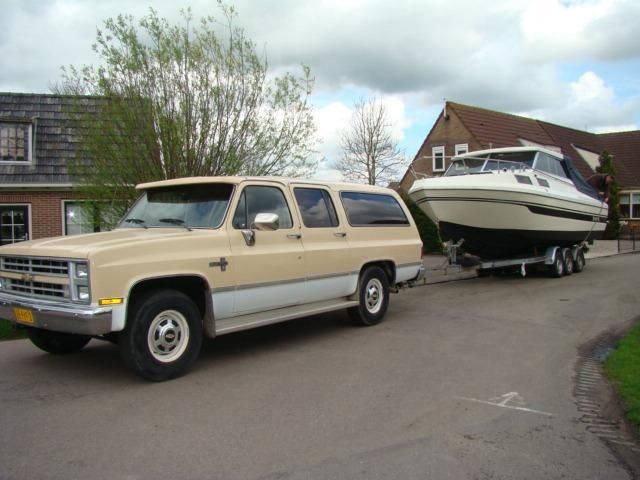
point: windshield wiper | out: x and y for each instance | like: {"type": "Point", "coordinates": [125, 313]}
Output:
{"type": "Point", "coordinates": [137, 221]}
{"type": "Point", "coordinates": [175, 221]}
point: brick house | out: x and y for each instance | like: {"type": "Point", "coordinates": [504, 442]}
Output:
{"type": "Point", "coordinates": [38, 138]}
{"type": "Point", "coordinates": [463, 128]}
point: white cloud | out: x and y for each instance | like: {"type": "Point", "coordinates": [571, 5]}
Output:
{"type": "Point", "coordinates": [603, 29]}
{"type": "Point", "coordinates": [509, 55]}
{"type": "Point", "coordinates": [592, 105]}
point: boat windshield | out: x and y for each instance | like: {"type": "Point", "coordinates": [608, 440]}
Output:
{"type": "Point", "coordinates": [465, 166]}
{"type": "Point", "coordinates": [187, 206]}
{"type": "Point", "coordinates": [491, 162]}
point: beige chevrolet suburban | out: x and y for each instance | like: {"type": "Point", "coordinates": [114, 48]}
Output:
{"type": "Point", "coordinates": [210, 256]}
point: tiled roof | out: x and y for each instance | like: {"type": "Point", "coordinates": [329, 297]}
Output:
{"type": "Point", "coordinates": [56, 135]}
{"type": "Point", "coordinates": [625, 148]}
{"type": "Point", "coordinates": [496, 129]}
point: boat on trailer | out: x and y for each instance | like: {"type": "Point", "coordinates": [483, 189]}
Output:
{"type": "Point", "coordinates": [509, 202]}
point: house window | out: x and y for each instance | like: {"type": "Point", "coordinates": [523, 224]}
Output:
{"type": "Point", "coordinates": [15, 141]}
{"type": "Point", "coordinates": [461, 148]}
{"type": "Point", "coordinates": [85, 217]}
{"type": "Point", "coordinates": [630, 205]}
{"type": "Point", "coordinates": [14, 223]}
{"type": "Point", "coordinates": [437, 155]}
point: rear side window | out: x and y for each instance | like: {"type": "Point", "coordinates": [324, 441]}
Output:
{"type": "Point", "coordinates": [316, 208]}
{"type": "Point", "coordinates": [372, 209]}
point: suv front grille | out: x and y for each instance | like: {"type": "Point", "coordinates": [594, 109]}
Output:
{"type": "Point", "coordinates": [35, 289]}
{"type": "Point", "coordinates": [46, 278]}
{"type": "Point", "coordinates": [35, 266]}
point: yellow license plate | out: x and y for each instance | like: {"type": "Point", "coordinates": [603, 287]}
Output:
{"type": "Point", "coordinates": [23, 315]}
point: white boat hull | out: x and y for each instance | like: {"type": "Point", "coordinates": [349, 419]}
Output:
{"type": "Point", "coordinates": [499, 217]}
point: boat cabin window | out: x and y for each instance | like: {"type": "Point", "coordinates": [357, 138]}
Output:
{"type": "Point", "coordinates": [465, 166]}
{"type": "Point", "coordinates": [549, 164]}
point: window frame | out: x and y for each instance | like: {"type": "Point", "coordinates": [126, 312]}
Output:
{"type": "Point", "coordinates": [376, 225]}
{"type": "Point", "coordinates": [457, 149]}
{"type": "Point", "coordinates": [435, 151]}
{"type": "Point", "coordinates": [629, 195]}
{"type": "Point", "coordinates": [28, 141]}
{"type": "Point", "coordinates": [242, 194]}
{"type": "Point", "coordinates": [332, 212]}
{"type": "Point", "coordinates": [29, 219]}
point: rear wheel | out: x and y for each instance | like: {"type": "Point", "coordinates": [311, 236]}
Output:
{"type": "Point", "coordinates": [579, 263]}
{"type": "Point", "coordinates": [373, 293]}
{"type": "Point", "coordinates": [163, 335]}
{"type": "Point", "coordinates": [58, 343]}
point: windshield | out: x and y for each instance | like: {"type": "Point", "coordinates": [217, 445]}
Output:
{"type": "Point", "coordinates": [188, 206]}
{"type": "Point", "coordinates": [465, 166]}
{"type": "Point", "coordinates": [491, 162]}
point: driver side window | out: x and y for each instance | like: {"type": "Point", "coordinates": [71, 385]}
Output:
{"type": "Point", "coordinates": [260, 199]}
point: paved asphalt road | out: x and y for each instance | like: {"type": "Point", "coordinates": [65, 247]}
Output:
{"type": "Point", "coordinates": [319, 399]}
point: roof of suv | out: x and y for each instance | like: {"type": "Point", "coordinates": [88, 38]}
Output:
{"type": "Point", "coordinates": [238, 179]}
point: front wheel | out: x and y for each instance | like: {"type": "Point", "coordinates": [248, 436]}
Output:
{"type": "Point", "coordinates": [163, 335]}
{"type": "Point", "coordinates": [373, 297]}
{"type": "Point", "coordinates": [58, 343]}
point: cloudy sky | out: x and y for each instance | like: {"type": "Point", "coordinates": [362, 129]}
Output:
{"type": "Point", "coordinates": [571, 62]}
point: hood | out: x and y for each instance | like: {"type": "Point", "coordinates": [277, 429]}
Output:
{"type": "Point", "coordinates": [81, 246]}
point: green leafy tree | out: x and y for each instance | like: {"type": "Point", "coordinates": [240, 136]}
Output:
{"type": "Point", "coordinates": [606, 167]}
{"type": "Point", "coordinates": [431, 242]}
{"type": "Point", "coordinates": [186, 100]}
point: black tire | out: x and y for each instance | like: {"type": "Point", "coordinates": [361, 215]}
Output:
{"type": "Point", "coordinates": [57, 343]}
{"type": "Point", "coordinates": [567, 261]}
{"type": "Point", "coordinates": [580, 262]}
{"type": "Point", "coordinates": [373, 294]}
{"type": "Point", "coordinates": [163, 335]}
{"type": "Point", "coordinates": [556, 269]}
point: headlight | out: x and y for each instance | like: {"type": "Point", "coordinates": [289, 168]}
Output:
{"type": "Point", "coordinates": [83, 293]}
{"type": "Point", "coordinates": [82, 270]}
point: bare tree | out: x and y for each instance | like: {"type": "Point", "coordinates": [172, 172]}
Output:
{"type": "Point", "coordinates": [370, 154]}
{"type": "Point", "coordinates": [187, 99]}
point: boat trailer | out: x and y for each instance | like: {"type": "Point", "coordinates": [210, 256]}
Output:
{"type": "Point", "coordinates": [559, 261]}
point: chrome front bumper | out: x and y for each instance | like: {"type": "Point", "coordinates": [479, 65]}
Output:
{"type": "Point", "coordinates": [56, 316]}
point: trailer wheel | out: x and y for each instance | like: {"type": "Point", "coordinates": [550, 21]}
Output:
{"type": "Point", "coordinates": [579, 263]}
{"type": "Point", "coordinates": [557, 267]}
{"type": "Point", "coordinates": [567, 259]}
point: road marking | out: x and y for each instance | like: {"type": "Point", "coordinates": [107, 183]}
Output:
{"type": "Point", "coordinates": [504, 401]}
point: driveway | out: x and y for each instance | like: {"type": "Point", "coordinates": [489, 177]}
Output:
{"type": "Point", "coordinates": [464, 380]}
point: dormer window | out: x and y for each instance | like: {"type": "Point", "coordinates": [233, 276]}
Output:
{"type": "Point", "coordinates": [15, 142]}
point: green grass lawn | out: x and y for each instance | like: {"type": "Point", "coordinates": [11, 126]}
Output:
{"type": "Point", "coordinates": [8, 332]}
{"type": "Point", "coordinates": [623, 366]}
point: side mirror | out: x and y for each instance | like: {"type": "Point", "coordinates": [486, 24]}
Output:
{"type": "Point", "coordinates": [267, 222]}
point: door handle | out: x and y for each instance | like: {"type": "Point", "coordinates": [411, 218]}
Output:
{"type": "Point", "coordinates": [294, 236]}
{"type": "Point", "coordinates": [340, 234]}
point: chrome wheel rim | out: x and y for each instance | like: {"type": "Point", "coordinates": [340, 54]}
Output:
{"type": "Point", "coordinates": [168, 336]}
{"type": "Point", "coordinates": [373, 296]}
